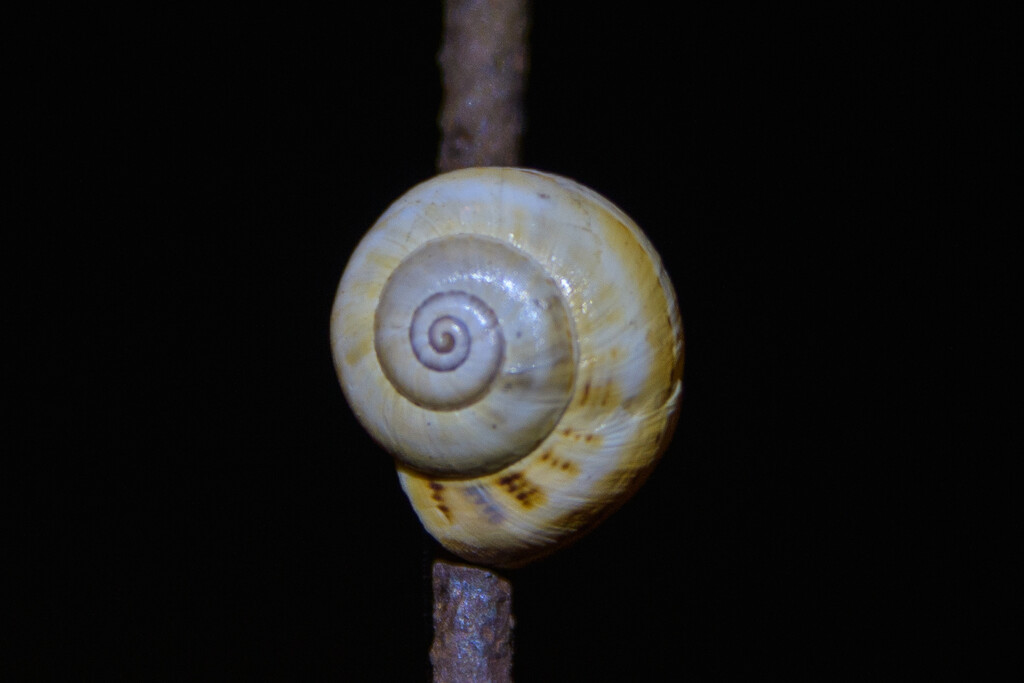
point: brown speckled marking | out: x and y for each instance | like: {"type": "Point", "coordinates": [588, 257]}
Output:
{"type": "Point", "coordinates": [577, 436]}
{"type": "Point", "coordinates": [437, 494]}
{"type": "Point", "coordinates": [522, 489]}
{"type": "Point", "coordinates": [556, 463]}
{"type": "Point", "coordinates": [436, 488]}
{"type": "Point", "coordinates": [586, 393]}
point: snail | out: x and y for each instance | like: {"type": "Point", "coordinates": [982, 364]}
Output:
{"type": "Point", "coordinates": [513, 340]}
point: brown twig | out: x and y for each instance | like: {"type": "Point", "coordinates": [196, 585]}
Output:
{"type": "Point", "coordinates": [472, 624]}
{"type": "Point", "coordinates": [483, 65]}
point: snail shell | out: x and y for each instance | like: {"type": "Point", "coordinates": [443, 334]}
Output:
{"type": "Point", "coordinates": [512, 338]}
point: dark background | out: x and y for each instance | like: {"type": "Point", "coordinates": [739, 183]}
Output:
{"type": "Point", "coordinates": [205, 507]}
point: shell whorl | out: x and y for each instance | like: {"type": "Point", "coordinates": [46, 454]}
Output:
{"type": "Point", "coordinates": [513, 340]}
{"type": "Point", "coordinates": [477, 338]}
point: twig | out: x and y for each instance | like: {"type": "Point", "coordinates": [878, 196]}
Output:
{"type": "Point", "coordinates": [472, 624]}
{"type": "Point", "coordinates": [483, 64]}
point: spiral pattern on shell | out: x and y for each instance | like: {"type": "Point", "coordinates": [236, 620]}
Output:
{"type": "Point", "coordinates": [513, 340]}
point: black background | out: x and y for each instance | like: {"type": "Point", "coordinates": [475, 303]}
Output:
{"type": "Point", "coordinates": [205, 507]}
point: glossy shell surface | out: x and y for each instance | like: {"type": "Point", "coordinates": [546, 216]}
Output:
{"type": "Point", "coordinates": [512, 338]}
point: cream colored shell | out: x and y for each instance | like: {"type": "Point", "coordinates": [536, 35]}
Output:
{"type": "Point", "coordinates": [541, 379]}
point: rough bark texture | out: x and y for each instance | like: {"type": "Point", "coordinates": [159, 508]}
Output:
{"type": "Point", "coordinates": [483, 64]}
{"type": "Point", "coordinates": [472, 625]}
